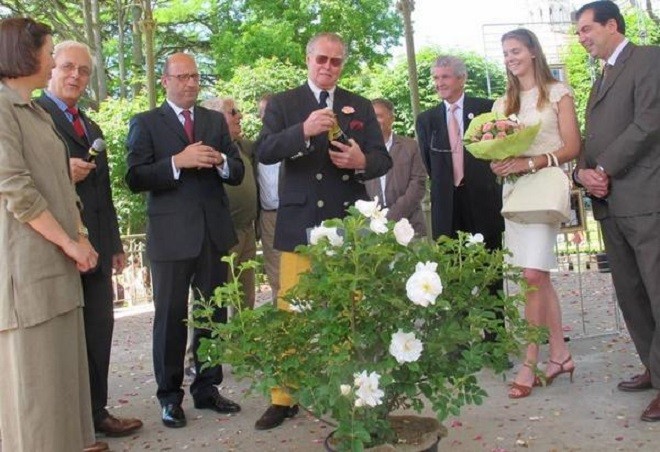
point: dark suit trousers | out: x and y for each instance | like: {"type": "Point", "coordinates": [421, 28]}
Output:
{"type": "Point", "coordinates": [463, 220]}
{"type": "Point", "coordinates": [171, 282]}
{"type": "Point", "coordinates": [633, 252]}
{"type": "Point", "coordinates": [99, 323]}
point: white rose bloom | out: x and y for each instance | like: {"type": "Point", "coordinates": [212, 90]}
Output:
{"type": "Point", "coordinates": [378, 226]}
{"type": "Point", "coordinates": [367, 391]}
{"type": "Point", "coordinates": [345, 389]}
{"type": "Point", "coordinates": [405, 347]}
{"type": "Point", "coordinates": [300, 306]}
{"type": "Point", "coordinates": [367, 208]}
{"type": "Point", "coordinates": [474, 239]}
{"type": "Point", "coordinates": [403, 232]}
{"type": "Point", "coordinates": [321, 232]}
{"type": "Point", "coordinates": [424, 286]}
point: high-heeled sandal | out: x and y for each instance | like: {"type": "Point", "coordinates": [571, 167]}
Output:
{"type": "Point", "coordinates": [522, 390]}
{"type": "Point", "coordinates": [562, 370]}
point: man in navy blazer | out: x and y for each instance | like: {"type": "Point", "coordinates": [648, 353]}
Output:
{"type": "Point", "coordinates": [181, 155]}
{"type": "Point", "coordinates": [317, 183]}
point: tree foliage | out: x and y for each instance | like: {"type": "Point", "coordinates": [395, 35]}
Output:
{"type": "Point", "coordinates": [113, 117]}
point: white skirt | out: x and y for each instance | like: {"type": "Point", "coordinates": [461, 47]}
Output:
{"type": "Point", "coordinates": [531, 245]}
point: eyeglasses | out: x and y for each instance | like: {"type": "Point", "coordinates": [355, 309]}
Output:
{"type": "Point", "coordinates": [432, 146]}
{"type": "Point", "coordinates": [83, 71]}
{"type": "Point", "coordinates": [323, 59]}
{"type": "Point", "coordinates": [185, 77]}
{"type": "Point", "coordinates": [234, 111]}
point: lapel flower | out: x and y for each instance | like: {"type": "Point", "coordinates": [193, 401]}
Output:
{"type": "Point", "coordinates": [347, 110]}
{"type": "Point", "coordinates": [356, 124]}
{"type": "Point", "coordinates": [470, 116]}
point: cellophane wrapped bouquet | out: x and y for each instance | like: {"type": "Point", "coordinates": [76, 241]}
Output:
{"type": "Point", "coordinates": [493, 136]}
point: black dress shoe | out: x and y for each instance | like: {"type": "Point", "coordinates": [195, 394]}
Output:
{"type": "Point", "coordinates": [274, 416]}
{"type": "Point", "coordinates": [173, 416]}
{"type": "Point", "coordinates": [218, 403]}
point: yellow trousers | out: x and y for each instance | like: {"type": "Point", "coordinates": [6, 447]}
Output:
{"type": "Point", "coordinates": [291, 266]}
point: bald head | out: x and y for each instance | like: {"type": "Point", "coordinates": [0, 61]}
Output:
{"type": "Point", "coordinates": [181, 80]}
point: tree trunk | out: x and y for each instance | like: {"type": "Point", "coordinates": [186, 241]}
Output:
{"type": "Point", "coordinates": [406, 7]}
{"type": "Point", "coordinates": [148, 26]}
{"type": "Point", "coordinates": [652, 14]}
{"type": "Point", "coordinates": [89, 38]}
{"type": "Point", "coordinates": [138, 55]}
{"type": "Point", "coordinates": [98, 52]}
{"type": "Point", "coordinates": [121, 46]}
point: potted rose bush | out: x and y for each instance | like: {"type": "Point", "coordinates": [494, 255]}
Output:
{"type": "Point", "coordinates": [380, 323]}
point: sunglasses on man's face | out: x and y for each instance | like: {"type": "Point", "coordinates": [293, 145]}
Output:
{"type": "Point", "coordinates": [323, 59]}
{"type": "Point", "coordinates": [234, 111]}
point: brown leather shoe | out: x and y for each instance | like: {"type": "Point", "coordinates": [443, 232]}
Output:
{"type": "Point", "coordinates": [98, 446]}
{"type": "Point", "coordinates": [640, 382]}
{"type": "Point", "coordinates": [652, 412]}
{"type": "Point", "coordinates": [116, 427]}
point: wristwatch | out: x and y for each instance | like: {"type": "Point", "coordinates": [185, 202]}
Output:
{"type": "Point", "coordinates": [82, 231]}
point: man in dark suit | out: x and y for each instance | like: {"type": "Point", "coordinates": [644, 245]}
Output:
{"type": "Point", "coordinates": [620, 168]}
{"type": "Point", "coordinates": [70, 76]}
{"type": "Point", "coordinates": [181, 154]}
{"type": "Point", "coordinates": [465, 195]}
{"type": "Point", "coordinates": [318, 183]}
{"type": "Point", "coordinates": [402, 189]}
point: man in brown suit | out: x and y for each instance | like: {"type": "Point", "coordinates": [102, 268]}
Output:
{"type": "Point", "coordinates": [620, 168]}
{"type": "Point", "coordinates": [401, 190]}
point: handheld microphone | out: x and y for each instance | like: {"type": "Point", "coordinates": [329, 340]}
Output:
{"type": "Point", "coordinates": [98, 146]}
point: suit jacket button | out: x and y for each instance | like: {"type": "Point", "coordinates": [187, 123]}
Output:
{"type": "Point", "coordinates": [319, 176]}
{"type": "Point", "coordinates": [345, 177]}
{"type": "Point", "coordinates": [320, 203]}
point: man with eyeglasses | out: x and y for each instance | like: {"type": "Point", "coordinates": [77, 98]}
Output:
{"type": "Point", "coordinates": [69, 79]}
{"type": "Point", "coordinates": [181, 155]}
{"type": "Point", "coordinates": [318, 182]}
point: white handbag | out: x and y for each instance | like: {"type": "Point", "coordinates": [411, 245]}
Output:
{"type": "Point", "coordinates": [540, 197]}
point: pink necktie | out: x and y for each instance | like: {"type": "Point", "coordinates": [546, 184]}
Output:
{"type": "Point", "coordinates": [187, 124]}
{"type": "Point", "coordinates": [456, 146]}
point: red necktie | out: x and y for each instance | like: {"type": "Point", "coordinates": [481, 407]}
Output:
{"type": "Point", "coordinates": [77, 123]}
{"type": "Point", "coordinates": [456, 146]}
{"type": "Point", "coordinates": [187, 124]}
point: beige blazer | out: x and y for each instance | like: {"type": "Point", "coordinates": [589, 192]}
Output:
{"type": "Point", "coordinates": [405, 184]}
{"type": "Point", "coordinates": [37, 281]}
{"type": "Point", "coordinates": [622, 133]}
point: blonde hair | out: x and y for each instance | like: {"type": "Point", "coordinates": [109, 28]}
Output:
{"type": "Point", "coordinates": [542, 74]}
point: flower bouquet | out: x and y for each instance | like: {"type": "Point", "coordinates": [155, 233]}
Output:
{"type": "Point", "coordinates": [492, 136]}
{"type": "Point", "coordinates": [380, 322]}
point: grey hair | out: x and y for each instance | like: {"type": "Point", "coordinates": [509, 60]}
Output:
{"type": "Point", "coordinates": [455, 63]}
{"type": "Point", "coordinates": [66, 45]}
{"type": "Point", "coordinates": [332, 37]}
{"type": "Point", "coordinates": [217, 103]}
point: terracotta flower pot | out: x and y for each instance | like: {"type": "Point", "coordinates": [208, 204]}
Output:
{"type": "Point", "coordinates": [415, 433]}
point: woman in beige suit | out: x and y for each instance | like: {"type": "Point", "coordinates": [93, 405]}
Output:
{"type": "Point", "coordinates": [44, 387]}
